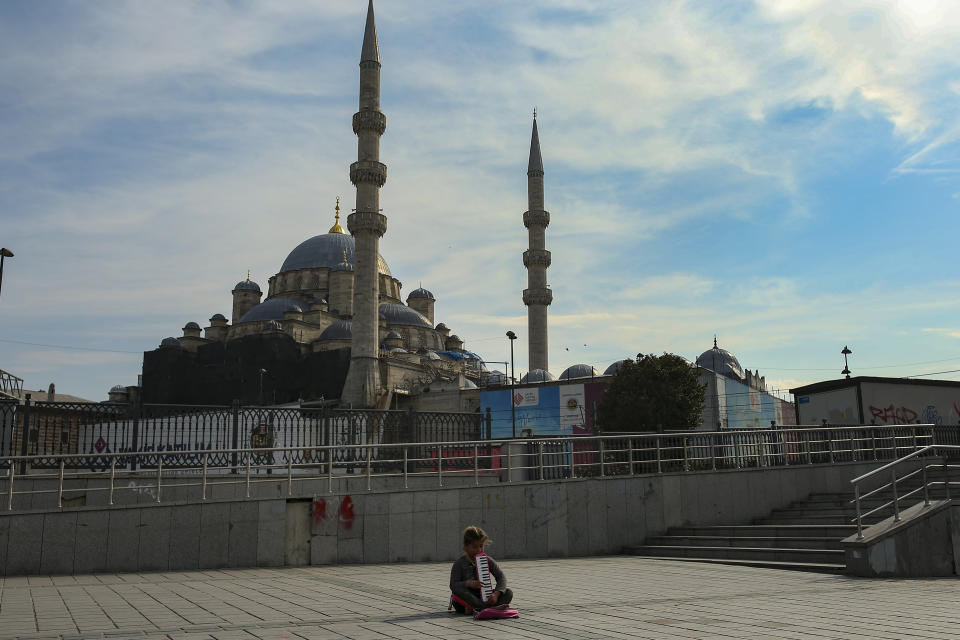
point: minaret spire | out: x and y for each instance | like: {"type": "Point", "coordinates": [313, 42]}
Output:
{"type": "Point", "coordinates": [367, 225]}
{"type": "Point", "coordinates": [537, 296]}
{"type": "Point", "coordinates": [371, 49]}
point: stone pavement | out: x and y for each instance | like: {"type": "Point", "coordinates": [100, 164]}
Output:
{"type": "Point", "coordinates": [600, 597]}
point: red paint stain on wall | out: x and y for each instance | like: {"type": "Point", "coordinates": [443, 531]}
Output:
{"type": "Point", "coordinates": [319, 510]}
{"type": "Point", "coordinates": [346, 513]}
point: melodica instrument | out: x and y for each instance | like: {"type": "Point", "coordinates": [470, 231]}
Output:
{"type": "Point", "coordinates": [483, 575]}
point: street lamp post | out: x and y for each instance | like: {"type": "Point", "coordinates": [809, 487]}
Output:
{"type": "Point", "coordinates": [513, 404]}
{"type": "Point", "coordinates": [846, 367]}
{"type": "Point", "coordinates": [4, 253]}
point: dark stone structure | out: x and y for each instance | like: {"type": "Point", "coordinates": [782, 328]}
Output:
{"type": "Point", "coordinates": [218, 373]}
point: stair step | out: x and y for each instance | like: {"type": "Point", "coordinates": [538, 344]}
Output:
{"type": "Point", "coordinates": [792, 542]}
{"type": "Point", "coordinates": [818, 567]}
{"type": "Point", "coordinates": [823, 556]}
{"type": "Point", "coordinates": [768, 530]}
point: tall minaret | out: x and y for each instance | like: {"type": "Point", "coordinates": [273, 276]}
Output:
{"type": "Point", "coordinates": [367, 225]}
{"type": "Point", "coordinates": [536, 259]}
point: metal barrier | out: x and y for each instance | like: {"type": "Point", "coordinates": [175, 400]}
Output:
{"type": "Point", "coordinates": [47, 431]}
{"type": "Point", "coordinates": [538, 459]}
{"type": "Point", "coordinates": [914, 471]}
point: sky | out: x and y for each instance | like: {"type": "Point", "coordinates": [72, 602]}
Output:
{"type": "Point", "coordinates": [782, 174]}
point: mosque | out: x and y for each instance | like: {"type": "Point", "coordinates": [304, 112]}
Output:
{"type": "Point", "coordinates": [334, 309]}
{"type": "Point", "coordinates": [334, 326]}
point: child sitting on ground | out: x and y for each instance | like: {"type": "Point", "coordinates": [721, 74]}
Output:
{"type": "Point", "coordinates": [463, 576]}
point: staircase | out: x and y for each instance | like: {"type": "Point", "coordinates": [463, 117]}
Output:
{"type": "Point", "coordinates": [803, 536]}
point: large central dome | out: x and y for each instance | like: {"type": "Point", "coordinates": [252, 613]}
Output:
{"type": "Point", "coordinates": [325, 250]}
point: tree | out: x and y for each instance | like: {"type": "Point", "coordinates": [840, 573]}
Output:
{"type": "Point", "coordinates": [652, 393]}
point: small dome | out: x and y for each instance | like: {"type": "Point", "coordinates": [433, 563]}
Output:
{"type": "Point", "coordinates": [429, 355]}
{"type": "Point", "coordinates": [271, 309]}
{"type": "Point", "coordinates": [721, 361]}
{"type": "Point", "coordinates": [340, 330]}
{"type": "Point", "coordinates": [293, 307]}
{"type": "Point", "coordinates": [614, 368]}
{"type": "Point", "coordinates": [273, 325]}
{"type": "Point", "coordinates": [398, 350]}
{"type": "Point", "coordinates": [421, 293]}
{"type": "Point", "coordinates": [170, 342]}
{"type": "Point", "coordinates": [393, 335]}
{"type": "Point", "coordinates": [455, 338]}
{"type": "Point", "coordinates": [579, 371]}
{"type": "Point", "coordinates": [468, 384]}
{"type": "Point", "coordinates": [218, 316]}
{"type": "Point", "coordinates": [247, 285]}
{"type": "Point", "coordinates": [191, 325]}
{"type": "Point", "coordinates": [401, 314]}
{"type": "Point", "coordinates": [442, 327]}
{"type": "Point", "coordinates": [343, 265]}
{"type": "Point", "coordinates": [538, 375]}
{"type": "Point", "coordinates": [118, 388]}
{"type": "Point", "coordinates": [494, 378]}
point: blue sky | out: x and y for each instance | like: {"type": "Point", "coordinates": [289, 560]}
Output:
{"type": "Point", "coordinates": [783, 174]}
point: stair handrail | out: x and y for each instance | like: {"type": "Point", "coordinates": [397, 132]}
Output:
{"type": "Point", "coordinates": [920, 453]}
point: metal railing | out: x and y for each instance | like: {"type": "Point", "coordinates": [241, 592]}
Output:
{"type": "Point", "coordinates": [47, 431]}
{"type": "Point", "coordinates": [500, 460]}
{"type": "Point", "coordinates": [909, 478]}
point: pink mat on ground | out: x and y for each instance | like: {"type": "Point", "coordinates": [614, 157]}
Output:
{"type": "Point", "coordinates": [496, 614]}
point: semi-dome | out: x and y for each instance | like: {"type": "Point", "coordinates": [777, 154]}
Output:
{"type": "Point", "coordinates": [579, 371]}
{"type": "Point", "coordinates": [721, 361]}
{"type": "Point", "coordinates": [340, 330]}
{"type": "Point", "coordinates": [538, 375]}
{"type": "Point", "coordinates": [325, 251]}
{"type": "Point", "coordinates": [272, 309]}
{"type": "Point", "coordinates": [421, 293]}
{"type": "Point", "coordinates": [191, 325]}
{"type": "Point", "coordinates": [401, 314]}
{"type": "Point", "coordinates": [247, 285]}
{"type": "Point", "coordinates": [170, 342]}
{"type": "Point", "coordinates": [614, 368]}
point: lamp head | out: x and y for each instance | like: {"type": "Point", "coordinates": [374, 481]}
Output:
{"type": "Point", "coordinates": [6, 253]}
{"type": "Point", "coordinates": [511, 335]}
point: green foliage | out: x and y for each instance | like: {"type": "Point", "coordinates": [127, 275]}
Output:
{"type": "Point", "coordinates": [652, 393]}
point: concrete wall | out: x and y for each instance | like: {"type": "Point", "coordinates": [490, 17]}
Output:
{"type": "Point", "coordinates": [528, 519]}
{"type": "Point", "coordinates": [924, 543]}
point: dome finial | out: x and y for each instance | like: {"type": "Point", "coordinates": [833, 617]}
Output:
{"type": "Point", "coordinates": [534, 113]}
{"type": "Point", "coordinates": [336, 228]}
{"type": "Point", "coordinates": [344, 255]}
{"type": "Point", "coordinates": [248, 275]}
{"type": "Point", "coordinates": [714, 341]}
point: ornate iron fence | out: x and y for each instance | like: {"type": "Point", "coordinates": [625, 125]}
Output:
{"type": "Point", "coordinates": [307, 435]}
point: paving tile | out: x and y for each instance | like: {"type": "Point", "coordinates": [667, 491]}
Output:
{"type": "Point", "coordinates": [561, 599]}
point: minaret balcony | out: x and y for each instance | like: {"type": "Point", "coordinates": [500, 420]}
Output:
{"type": "Point", "coordinates": [369, 120]}
{"type": "Point", "coordinates": [536, 257]}
{"type": "Point", "coordinates": [536, 219]}
{"type": "Point", "coordinates": [537, 296]}
{"type": "Point", "coordinates": [367, 172]}
{"type": "Point", "coordinates": [365, 221]}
